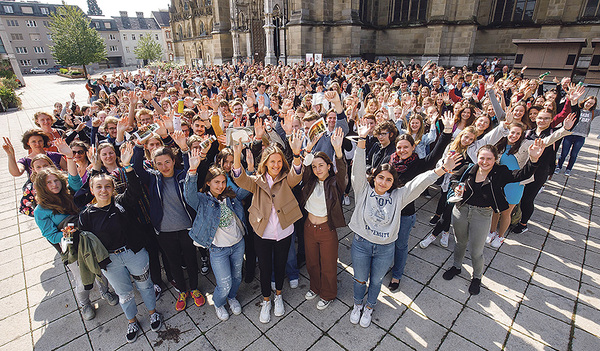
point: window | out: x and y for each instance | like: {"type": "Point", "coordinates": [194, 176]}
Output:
{"type": "Point", "coordinates": [21, 50]}
{"type": "Point", "coordinates": [112, 37]}
{"type": "Point", "coordinates": [43, 62]}
{"type": "Point", "coordinates": [127, 49]}
{"type": "Point", "coordinates": [595, 60]}
{"type": "Point", "coordinates": [44, 10]}
{"type": "Point", "coordinates": [31, 23]}
{"type": "Point", "coordinates": [16, 36]}
{"type": "Point", "coordinates": [571, 60]}
{"type": "Point", "coordinates": [168, 34]}
{"type": "Point", "coordinates": [46, 24]}
{"type": "Point", "coordinates": [124, 36]}
{"type": "Point", "coordinates": [34, 37]}
{"type": "Point", "coordinates": [38, 49]}
{"type": "Point", "coordinates": [107, 25]}
{"type": "Point", "coordinates": [49, 36]}
{"type": "Point", "coordinates": [132, 36]}
{"type": "Point", "coordinates": [12, 23]}
{"type": "Point", "coordinates": [519, 59]}
{"type": "Point", "coordinates": [513, 11]}
{"type": "Point", "coordinates": [113, 48]}
{"type": "Point", "coordinates": [156, 36]}
{"type": "Point", "coordinates": [590, 11]}
{"type": "Point", "coordinates": [170, 46]}
{"type": "Point", "coordinates": [97, 24]}
{"type": "Point", "coordinates": [406, 11]}
{"type": "Point", "coordinates": [25, 62]}
{"type": "Point", "coordinates": [27, 9]}
{"type": "Point", "coordinates": [8, 9]}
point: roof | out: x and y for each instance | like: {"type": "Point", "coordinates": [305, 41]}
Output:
{"type": "Point", "coordinates": [102, 21]}
{"type": "Point", "coordinates": [162, 17]}
{"type": "Point", "coordinates": [135, 23]}
{"type": "Point", "coordinates": [36, 8]}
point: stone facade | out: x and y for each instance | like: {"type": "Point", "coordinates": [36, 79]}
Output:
{"type": "Point", "coordinates": [452, 32]}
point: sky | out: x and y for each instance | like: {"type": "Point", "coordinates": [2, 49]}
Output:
{"type": "Point", "coordinates": [112, 7]}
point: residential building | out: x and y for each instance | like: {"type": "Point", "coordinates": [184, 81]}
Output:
{"type": "Point", "coordinates": [7, 53]}
{"type": "Point", "coordinates": [162, 18]}
{"type": "Point", "coordinates": [131, 29]}
{"type": "Point", "coordinates": [109, 31]}
{"type": "Point", "coordinates": [459, 32]}
{"type": "Point", "coordinates": [26, 26]}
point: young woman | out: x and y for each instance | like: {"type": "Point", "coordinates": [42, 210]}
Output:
{"type": "Point", "coordinates": [34, 141]}
{"type": "Point", "coordinates": [483, 195]}
{"type": "Point", "coordinates": [111, 221]}
{"type": "Point", "coordinates": [45, 121]}
{"type": "Point", "coordinates": [219, 226]}
{"type": "Point", "coordinates": [55, 209]}
{"type": "Point", "coordinates": [272, 214]}
{"type": "Point", "coordinates": [379, 203]}
{"type": "Point", "coordinates": [322, 191]}
{"type": "Point", "coordinates": [170, 215]}
{"type": "Point", "coordinates": [585, 112]}
{"type": "Point", "coordinates": [408, 165]}
{"type": "Point", "coordinates": [80, 150]}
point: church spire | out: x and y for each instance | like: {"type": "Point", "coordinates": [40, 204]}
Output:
{"type": "Point", "coordinates": [93, 9]}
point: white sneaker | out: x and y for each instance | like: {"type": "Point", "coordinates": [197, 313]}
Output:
{"type": "Point", "coordinates": [323, 304]}
{"type": "Point", "coordinates": [294, 283]}
{"type": "Point", "coordinates": [273, 286]}
{"type": "Point", "coordinates": [365, 320]}
{"type": "Point", "coordinates": [497, 242]}
{"type": "Point", "coordinates": [490, 237]}
{"type": "Point", "coordinates": [310, 295]}
{"type": "Point", "coordinates": [265, 311]}
{"type": "Point", "coordinates": [444, 239]}
{"type": "Point", "coordinates": [222, 313]}
{"type": "Point", "coordinates": [346, 201]}
{"type": "Point", "coordinates": [428, 240]}
{"type": "Point", "coordinates": [235, 306]}
{"type": "Point", "coordinates": [279, 309]}
{"type": "Point", "coordinates": [355, 314]}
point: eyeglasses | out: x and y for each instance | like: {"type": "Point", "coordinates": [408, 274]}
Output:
{"type": "Point", "coordinates": [79, 152]}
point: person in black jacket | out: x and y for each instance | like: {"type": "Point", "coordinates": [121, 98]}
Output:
{"type": "Point", "coordinates": [409, 165]}
{"type": "Point", "coordinates": [482, 195]}
{"type": "Point", "coordinates": [121, 234]}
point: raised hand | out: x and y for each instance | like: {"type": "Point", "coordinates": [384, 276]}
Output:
{"type": "Point", "coordinates": [72, 95]}
{"type": "Point", "coordinates": [287, 122]}
{"type": "Point", "coordinates": [363, 130]}
{"type": "Point", "coordinates": [126, 153]}
{"type": "Point", "coordinates": [133, 98]}
{"type": "Point", "coordinates": [569, 122]}
{"type": "Point", "coordinates": [63, 148]}
{"type": "Point", "coordinates": [452, 160]}
{"type": "Point", "coordinates": [287, 105]}
{"type": "Point", "coordinates": [194, 159]}
{"type": "Point", "coordinates": [96, 122]}
{"type": "Point", "coordinates": [92, 155]}
{"type": "Point", "coordinates": [576, 93]}
{"type": "Point", "coordinates": [180, 139]}
{"type": "Point", "coordinates": [261, 103]}
{"type": "Point", "coordinates": [296, 142]}
{"type": "Point", "coordinates": [237, 149]}
{"type": "Point", "coordinates": [448, 120]}
{"type": "Point", "coordinates": [332, 96]}
{"type": "Point", "coordinates": [536, 149]}
{"type": "Point", "coordinates": [337, 138]}
{"type": "Point", "coordinates": [250, 160]}
{"type": "Point", "coordinates": [259, 128]}
{"type": "Point", "coordinates": [8, 147]}
{"type": "Point", "coordinates": [122, 124]}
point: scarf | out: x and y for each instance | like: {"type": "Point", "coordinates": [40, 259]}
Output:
{"type": "Point", "coordinates": [402, 165]}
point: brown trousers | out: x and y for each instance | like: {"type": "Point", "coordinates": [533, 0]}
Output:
{"type": "Point", "coordinates": [321, 246]}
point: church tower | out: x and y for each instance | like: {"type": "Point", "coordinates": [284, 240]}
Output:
{"type": "Point", "coordinates": [93, 9]}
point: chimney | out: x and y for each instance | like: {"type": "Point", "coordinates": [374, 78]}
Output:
{"type": "Point", "coordinates": [123, 13]}
{"type": "Point", "coordinates": [139, 14]}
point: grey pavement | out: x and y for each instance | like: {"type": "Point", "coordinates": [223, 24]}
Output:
{"type": "Point", "coordinates": [540, 289]}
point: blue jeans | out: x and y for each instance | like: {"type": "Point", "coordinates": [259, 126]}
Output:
{"type": "Point", "coordinates": [574, 143]}
{"type": "Point", "coordinates": [370, 262]}
{"type": "Point", "coordinates": [118, 272]}
{"type": "Point", "coordinates": [401, 252]}
{"type": "Point", "coordinates": [226, 263]}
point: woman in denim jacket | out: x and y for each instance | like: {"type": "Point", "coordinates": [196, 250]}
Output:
{"type": "Point", "coordinates": [219, 226]}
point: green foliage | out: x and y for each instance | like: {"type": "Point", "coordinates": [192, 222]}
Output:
{"type": "Point", "coordinates": [148, 49]}
{"type": "Point", "coordinates": [75, 42]}
{"type": "Point", "coordinates": [9, 97]}
{"type": "Point", "coordinates": [7, 73]}
{"type": "Point", "coordinates": [63, 70]}
{"type": "Point", "coordinates": [10, 83]}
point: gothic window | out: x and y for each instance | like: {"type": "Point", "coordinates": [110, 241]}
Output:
{"type": "Point", "coordinates": [189, 31]}
{"type": "Point", "coordinates": [202, 29]}
{"type": "Point", "coordinates": [591, 10]}
{"type": "Point", "coordinates": [366, 11]}
{"type": "Point", "coordinates": [180, 32]}
{"type": "Point", "coordinates": [409, 11]}
{"type": "Point", "coordinates": [506, 11]}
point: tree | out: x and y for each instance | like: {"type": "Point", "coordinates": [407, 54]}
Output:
{"type": "Point", "coordinates": [75, 42]}
{"type": "Point", "coordinates": [148, 49]}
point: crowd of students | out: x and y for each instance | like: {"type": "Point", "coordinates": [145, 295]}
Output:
{"type": "Point", "coordinates": [239, 163]}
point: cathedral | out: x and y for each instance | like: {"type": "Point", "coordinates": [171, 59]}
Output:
{"type": "Point", "coordinates": [455, 32]}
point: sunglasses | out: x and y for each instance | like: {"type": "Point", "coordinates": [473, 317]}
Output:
{"type": "Point", "coordinates": [79, 152]}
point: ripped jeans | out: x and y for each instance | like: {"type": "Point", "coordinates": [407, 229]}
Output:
{"type": "Point", "coordinates": [119, 271]}
{"type": "Point", "coordinates": [226, 263]}
{"type": "Point", "coordinates": [370, 262]}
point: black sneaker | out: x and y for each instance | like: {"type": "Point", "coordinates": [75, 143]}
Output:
{"type": "Point", "coordinates": [132, 331]}
{"type": "Point", "coordinates": [475, 286]}
{"type": "Point", "coordinates": [520, 229]}
{"type": "Point", "coordinates": [155, 321]}
{"type": "Point", "coordinates": [451, 273]}
{"type": "Point", "coordinates": [393, 286]}
{"type": "Point", "coordinates": [204, 267]}
{"type": "Point", "coordinates": [434, 219]}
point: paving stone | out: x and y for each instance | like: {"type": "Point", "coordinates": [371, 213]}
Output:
{"type": "Point", "coordinates": [584, 341]}
{"type": "Point", "coordinates": [512, 266]}
{"type": "Point", "coordinates": [586, 318]}
{"type": "Point", "coordinates": [520, 251]}
{"type": "Point", "coordinates": [323, 319]}
{"type": "Point", "coordinates": [111, 336]}
{"type": "Point", "coordinates": [419, 270]}
{"type": "Point", "coordinates": [14, 326]}
{"type": "Point", "coordinates": [355, 337]}
{"type": "Point", "coordinates": [58, 332]}
{"type": "Point", "coordinates": [21, 343]}
{"type": "Point", "coordinates": [456, 289]}
{"type": "Point", "coordinates": [387, 311]}
{"type": "Point", "coordinates": [245, 332]}
{"type": "Point", "coordinates": [44, 272]}
{"type": "Point", "coordinates": [252, 312]}
{"type": "Point", "coordinates": [555, 282]}
{"type": "Point", "coordinates": [175, 333]}
{"type": "Point", "coordinates": [12, 284]}
{"type": "Point", "coordinates": [470, 324]}
{"type": "Point", "coordinates": [8, 269]}
{"type": "Point", "coordinates": [550, 303]}
{"type": "Point", "coordinates": [390, 343]}
{"type": "Point", "coordinates": [504, 284]}
{"type": "Point", "coordinates": [591, 276]}
{"type": "Point", "coordinates": [297, 328]}
{"type": "Point", "coordinates": [407, 291]}
{"type": "Point", "coordinates": [81, 343]}
{"type": "Point", "coordinates": [520, 342]}
{"type": "Point", "coordinates": [200, 343]}
{"type": "Point", "coordinates": [433, 254]}
{"type": "Point", "coordinates": [436, 307]}
{"type": "Point", "coordinates": [325, 343]}
{"type": "Point", "coordinates": [47, 289]}
{"type": "Point", "coordinates": [418, 331]}
{"type": "Point", "coordinates": [12, 304]}
{"type": "Point", "coordinates": [592, 259]}
{"type": "Point", "coordinates": [345, 283]}
{"type": "Point", "coordinates": [493, 305]}
{"type": "Point", "coordinates": [552, 331]}
{"type": "Point", "coordinates": [454, 342]}
{"type": "Point", "coordinates": [9, 243]}
{"type": "Point", "coordinates": [53, 308]}
{"type": "Point", "coordinates": [261, 344]}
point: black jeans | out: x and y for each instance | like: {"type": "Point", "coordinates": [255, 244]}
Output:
{"type": "Point", "coordinates": [153, 248]}
{"type": "Point", "coordinates": [179, 248]}
{"type": "Point", "coordinates": [443, 225]}
{"type": "Point", "coordinates": [529, 193]}
{"type": "Point", "coordinates": [272, 255]}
